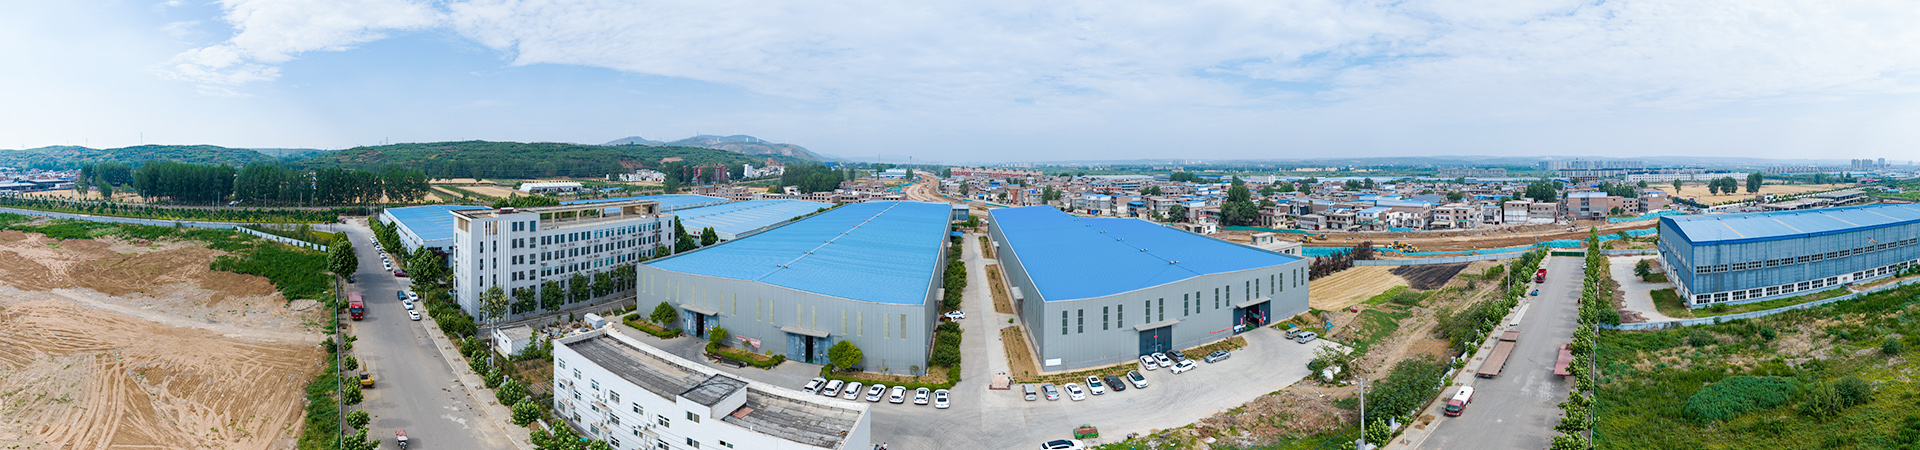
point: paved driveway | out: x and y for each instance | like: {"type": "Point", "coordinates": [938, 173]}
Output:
{"type": "Point", "coordinates": [1517, 410]}
{"type": "Point", "coordinates": [414, 388]}
{"type": "Point", "coordinates": [1639, 294]}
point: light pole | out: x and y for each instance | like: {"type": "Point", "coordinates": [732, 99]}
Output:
{"type": "Point", "coordinates": [1362, 445]}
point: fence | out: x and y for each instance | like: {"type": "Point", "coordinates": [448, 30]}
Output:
{"type": "Point", "coordinates": [282, 239]}
{"type": "Point", "coordinates": [1440, 260]}
{"type": "Point", "coordinates": [1630, 251]}
{"type": "Point", "coordinates": [125, 220]}
{"type": "Point", "coordinates": [1751, 314]}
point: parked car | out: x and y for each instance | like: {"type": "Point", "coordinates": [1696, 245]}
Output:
{"type": "Point", "coordinates": [1114, 383]}
{"type": "Point", "coordinates": [832, 389]}
{"type": "Point", "coordinates": [1139, 381]}
{"type": "Point", "coordinates": [1218, 356]}
{"type": "Point", "coordinates": [1053, 393]}
{"type": "Point", "coordinates": [1075, 392]}
{"type": "Point", "coordinates": [1177, 356]}
{"type": "Point", "coordinates": [1147, 362]}
{"type": "Point", "coordinates": [413, 296]}
{"type": "Point", "coordinates": [1032, 393]}
{"type": "Point", "coordinates": [1063, 444]}
{"type": "Point", "coordinates": [1307, 337]}
{"type": "Point", "coordinates": [955, 315]}
{"type": "Point", "coordinates": [852, 391]}
{"type": "Point", "coordinates": [940, 399]}
{"type": "Point", "coordinates": [415, 315]}
{"type": "Point", "coordinates": [1163, 359]}
{"type": "Point", "coordinates": [874, 392]}
{"type": "Point", "coordinates": [1094, 384]}
{"type": "Point", "coordinates": [921, 396]}
{"type": "Point", "coordinates": [897, 395]}
{"type": "Point", "coordinates": [1536, 293]}
{"type": "Point", "coordinates": [400, 273]}
{"type": "Point", "coordinates": [409, 304]}
{"type": "Point", "coordinates": [813, 385]}
{"type": "Point", "coordinates": [1183, 366]}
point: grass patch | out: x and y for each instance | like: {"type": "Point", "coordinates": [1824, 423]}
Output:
{"type": "Point", "coordinates": [1020, 360]}
{"type": "Point", "coordinates": [323, 411]}
{"type": "Point", "coordinates": [1373, 326]}
{"type": "Point", "coordinates": [1668, 302]}
{"type": "Point", "coordinates": [633, 320]}
{"type": "Point", "coordinates": [1002, 301]}
{"type": "Point", "coordinates": [311, 236]}
{"type": "Point", "coordinates": [297, 273]}
{"type": "Point", "coordinates": [1401, 295]}
{"type": "Point", "coordinates": [986, 247]}
{"type": "Point", "coordinates": [1721, 310]}
{"type": "Point", "coordinates": [751, 358]}
{"type": "Point", "coordinates": [1656, 278]}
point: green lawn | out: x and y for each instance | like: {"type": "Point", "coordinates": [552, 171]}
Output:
{"type": "Point", "coordinates": [1374, 325]}
{"type": "Point", "coordinates": [1669, 303]}
{"type": "Point", "coordinates": [1656, 278]}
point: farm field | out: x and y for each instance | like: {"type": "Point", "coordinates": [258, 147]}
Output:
{"type": "Point", "coordinates": [1352, 286]}
{"type": "Point", "coordinates": [129, 343]}
{"type": "Point", "coordinates": [1699, 190]}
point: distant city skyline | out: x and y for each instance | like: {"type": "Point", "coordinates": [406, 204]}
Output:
{"type": "Point", "coordinates": [979, 82]}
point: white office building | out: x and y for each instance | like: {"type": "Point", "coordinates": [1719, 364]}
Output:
{"type": "Point", "coordinates": [521, 248]}
{"type": "Point", "coordinates": [613, 388]}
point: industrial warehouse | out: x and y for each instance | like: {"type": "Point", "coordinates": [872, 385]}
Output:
{"type": "Point", "coordinates": [1743, 258]}
{"type": "Point", "coordinates": [862, 272]}
{"type": "Point", "coordinates": [1121, 288]}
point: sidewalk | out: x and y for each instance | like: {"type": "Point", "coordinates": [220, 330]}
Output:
{"type": "Point", "coordinates": [496, 414]}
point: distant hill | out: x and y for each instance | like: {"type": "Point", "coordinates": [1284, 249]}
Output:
{"type": "Point", "coordinates": [516, 160]}
{"type": "Point", "coordinates": [739, 143]}
{"type": "Point", "coordinates": [68, 157]}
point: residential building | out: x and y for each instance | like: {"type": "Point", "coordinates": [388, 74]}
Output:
{"type": "Point", "coordinates": [549, 187]}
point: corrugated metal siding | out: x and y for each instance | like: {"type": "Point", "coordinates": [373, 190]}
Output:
{"type": "Point", "coordinates": [757, 310]}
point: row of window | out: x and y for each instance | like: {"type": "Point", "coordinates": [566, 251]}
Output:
{"type": "Point", "coordinates": [1790, 288]}
{"type": "Point", "coordinates": [1804, 259]}
{"type": "Point", "coordinates": [613, 418]}
{"type": "Point", "coordinates": [1116, 316]}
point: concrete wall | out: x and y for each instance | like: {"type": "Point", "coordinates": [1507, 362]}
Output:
{"type": "Point", "coordinates": [893, 337]}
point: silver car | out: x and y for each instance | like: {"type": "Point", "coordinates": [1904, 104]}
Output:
{"type": "Point", "coordinates": [1053, 392]}
{"type": "Point", "coordinates": [1163, 359]}
{"type": "Point", "coordinates": [1307, 337]}
{"type": "Point", "coordinates": [1032, 394]}
{"type": "Point", "coordinates": [1139, 382]}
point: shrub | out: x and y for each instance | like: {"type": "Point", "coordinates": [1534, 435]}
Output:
{"type": "Point", "coordinates": [511, 392]}
{"type": "Point", "coordinates": [1734, 396]}
{"type": "Point", "coordinates": [664, 314]}
{"type": "Point", "coordinates": [352, 394]}
{"type": "Point", "coordinates": [1891, 346]}
{"type": "Point", "coordinates": [1700, 339]}
{"type": "Point", "coordinates": [358, 419]}
{"type": "Point", "coordinates": [719, 336]}
{"type": "Point", "coordinates": [525, 413]}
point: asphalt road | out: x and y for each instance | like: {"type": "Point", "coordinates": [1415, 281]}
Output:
{"type": "Point", "coordinates": [1518, 409]}
{"type": "Point", "coordinates": [414, 389]}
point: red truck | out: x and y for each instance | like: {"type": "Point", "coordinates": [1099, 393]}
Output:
{"type": "Point", "coordinates": [1540, 276]}
{"type": "Point", "coordinates": [1498, 359]}
{"type": "Point", "coordinates": [1458, 403]}
{"type": "Point", "coordinates": [356, 307]}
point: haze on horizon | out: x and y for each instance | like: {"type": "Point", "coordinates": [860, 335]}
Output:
{"type": "Point", "coordinates": [979, 81]}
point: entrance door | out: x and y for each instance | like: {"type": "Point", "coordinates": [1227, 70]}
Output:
{"type": "Point", "coordinates": [699, 325]}
{"type": "Point", "coordinates": [811, 342]}
{"type": "Point", "coordinates": [1156, 340]}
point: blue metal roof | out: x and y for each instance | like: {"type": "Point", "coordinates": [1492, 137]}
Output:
{"type": "Point", "coordinates": [1763, 226]}
{"type": "Point", "coordinates": [883, 252]}
{"type": "Point", "coordinates": [668, 202]}
{"type": "Point", "coordinates": [431, 222]}
{"type": "Point", "coordinates": [1072, 257]}
{"type": "Point", "coordinates": [741, 217]}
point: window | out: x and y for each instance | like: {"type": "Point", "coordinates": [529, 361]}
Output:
{"type": "Point", "coordinates": [637, 410]}
{"type": "Point", "coordinates": [1216, 298]}
{"type": "Point", "coordinates": [1163, 309]}
{"type": "Point", "coordinates": [1063, 323]}
{"type": "Point", "coordinates": [613, 441]}
{"type": "Point", "coordinates": [576, 374]}
{"type": "Point", "coordinates": [1103, 318]}
{"type": "Point", "coordinates": [663, 421]}
{"type": "Point", "coordinates": [1083, 320]}
{"type": "Point", "coordinates": [691, 417]}
{"type": "Point", "coordinates": [1183, 305]}
{"type": "Point", "coordinates": [1120, 315]}
{"type": "Point", "coordinates": [692, 443]}
{"type": "Point", "coordinates": [595, 384]}
{"type": "Point", "coordinates": [1229, 293]}
{"type": "Point", "coordinates": [562, 363]}
{"type": "Point", "coordinates": [614, 396]}
{"type": "Point", "coordinates": [725, 444]}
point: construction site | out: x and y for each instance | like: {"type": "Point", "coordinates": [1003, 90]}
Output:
{"type": "Point", "coordinates": [127, 343]}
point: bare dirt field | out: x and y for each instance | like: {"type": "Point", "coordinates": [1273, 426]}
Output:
{"type": "Point", "coordinates": [1478, 239]}
{"type": "Point", "coordinates": [1427, 277]}
{"type": "Point", "coordinates": [122, 344]}
{"type": "Point", "coordinates": [1002, 301]}
{"type": "Point", "coordinates": [1699, 191]}
{"type": "Point", "coordinates": [1352, 286]}
{"type": "Point", "coordinates": [492, 191]}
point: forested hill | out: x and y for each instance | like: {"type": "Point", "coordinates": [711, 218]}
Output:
{"type": "Point", "coordinates": [485, 159]}
{"type": "Point", "coordinates": [70, 157]}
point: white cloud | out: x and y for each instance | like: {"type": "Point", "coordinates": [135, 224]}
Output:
{"type": "Point", "coordinates": [271, 32]}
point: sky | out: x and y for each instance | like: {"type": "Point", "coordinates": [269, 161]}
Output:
{"type": "Point", "coordinates": [979, 80]}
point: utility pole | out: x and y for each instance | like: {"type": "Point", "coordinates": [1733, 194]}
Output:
{"type": "Point", "coordinates": [1362, 445]}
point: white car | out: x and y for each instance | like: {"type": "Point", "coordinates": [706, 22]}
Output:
{"type": "Point", "coordinates": [1075, 392]}
{"type": "Point", "coordinates": [409, 304]}
{"type": "Point", "coordinates": [832, 389]}
{"type": "Point", "coordinates": [384, 264]}
{"type": "Point", "coordinates": [813, 385]}
{"type": "Point", "coordinates": [415, 315]}
{"type": "Point", "coordinates": [852, 391]}
{"type": "Point", "coordinates": [1139, 381]}
{"type": "Point", "coordinates": [897, 395]}
{"type": "Point", "coordinates": [1094, 384]}
{"type": "Point", "coordinates": [1146, 362]}
{"type": "Point", "coordinates": [940, 399]}
{"type": "Point", "coordinates": [921, 396]}
{"type": "Point", "coordinates": [874, 392]}
{"type": "Point", "coordinates": [955, 315]}
{"type": "Point", "coordinates": [1163, 359]}
{"type": "Point", "coordinates": [1183, 366]}
{"type": "Point", "coordinates": [411, 296]}
{"type": "Point", "coordinates": [1063, 444]}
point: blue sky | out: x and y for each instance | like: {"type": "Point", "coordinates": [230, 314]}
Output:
{"type": "Point", "coordinates": [981, 80]}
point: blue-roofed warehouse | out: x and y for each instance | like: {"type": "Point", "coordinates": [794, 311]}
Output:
{"type": "Point", "coordinates": [1097, 291]}
{"type": "Point", "coordinates": [668, 202]}
{"type": "Point", "coordinates": [428, 226]}
{"type": "Point", "coordinates": [741, 219]}
{"type": "Point", "coordinates": [862, 272]}
{"type": "Point", "coordinates": [1749, 257]}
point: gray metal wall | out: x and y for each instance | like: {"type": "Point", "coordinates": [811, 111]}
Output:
{"type": "Point", "coordinates": [1092, 343]}
{"type": "Point", "coordinates": [757, 310]}
{"type": "Point", "coordinates": [1683, 259]}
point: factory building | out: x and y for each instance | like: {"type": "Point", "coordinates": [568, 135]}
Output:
{"type": "Point", "coordinates": [741, 219]}
{"type": "Point", "coordinates": [1097, 291]}
{"type": "Point", "coordinates": [1749, 257]}
{"type": "Point", "coordinates": [522, 248]}
{"type": "Point", "coordinates": [862, 272]}
{"type": "Point", "coordinates": [420, 227]}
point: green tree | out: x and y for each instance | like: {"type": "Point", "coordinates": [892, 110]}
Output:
{"type": "Point", "coordinates": [1754, 180]}
{"type": "Point", "coordinates": [511, 392]}
{"type": "Point", "coordinates": [350, 363]}
{"type": "Point", "coordinates": [1378, 433]}
{"type": "Point", "coordinates": [719, 336]}
{"type": "Point", "coordinates": [525, 201]}
{"type": "Point", "coordinates": [525, 413]}
{"type": "Point", "coordinates": [682, 241]}
{"type": "Point", "coordinates": [709, 237]}
{"type": "Point", "coordinates": [358, 419]}
{"type": "Point", "coordinates": [351, 394]}
{"type": "Point", "coordinates": [1177, 213]}
{"type": "Point", "coordinates": [602, 284]}
{"type": "Point", "coordinates": [1455, 196]}
{"type": "Point", "coordinates": [552, 296]}
{"type": "Point", "coordinates": [341, 260]}
{"type": "Point", "coordinates": [360, 441]}
{"type": "Point", "coordinates": [844, 355]}
{"type": "Point", "coordinates": [579, 288]}
{"type": "Point", "coordinates": [665, 315]}
{"type": "Point", "coordinates": [1642, 269]}
{"type": "Point", "coordinates": [1239, 208]}
{"type": "Point", "coordinates": [558, 438]}
{"type": "Point", "coordinates": [1676, 186]}
{"type": "Point", "coordinates": [493, 304]}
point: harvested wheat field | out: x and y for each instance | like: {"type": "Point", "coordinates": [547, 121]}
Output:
{"type": "Point", "coordinates": [1699, 190]}
{"type": "Point", "coordinates": [1352, 286]}
{"type": "Point", "coordinates": [118, 344]}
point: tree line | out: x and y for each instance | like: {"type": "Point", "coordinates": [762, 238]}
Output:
{"type": "Point", "coordinates": [256, 183]}
{"type": "Point", "coordinates": [810, 178]}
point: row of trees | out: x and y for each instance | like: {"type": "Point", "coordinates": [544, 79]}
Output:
{"type": "Point", "coordinates": [955, 277]}
{"type": "Point", "coordinates": [553, 294]}
{"type": "Point", "coordinates": [811, 178]}
{"type": "Point", "coordinates": [255, 183]}
{"type": "Point", "coordinates": [1328, 265]}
